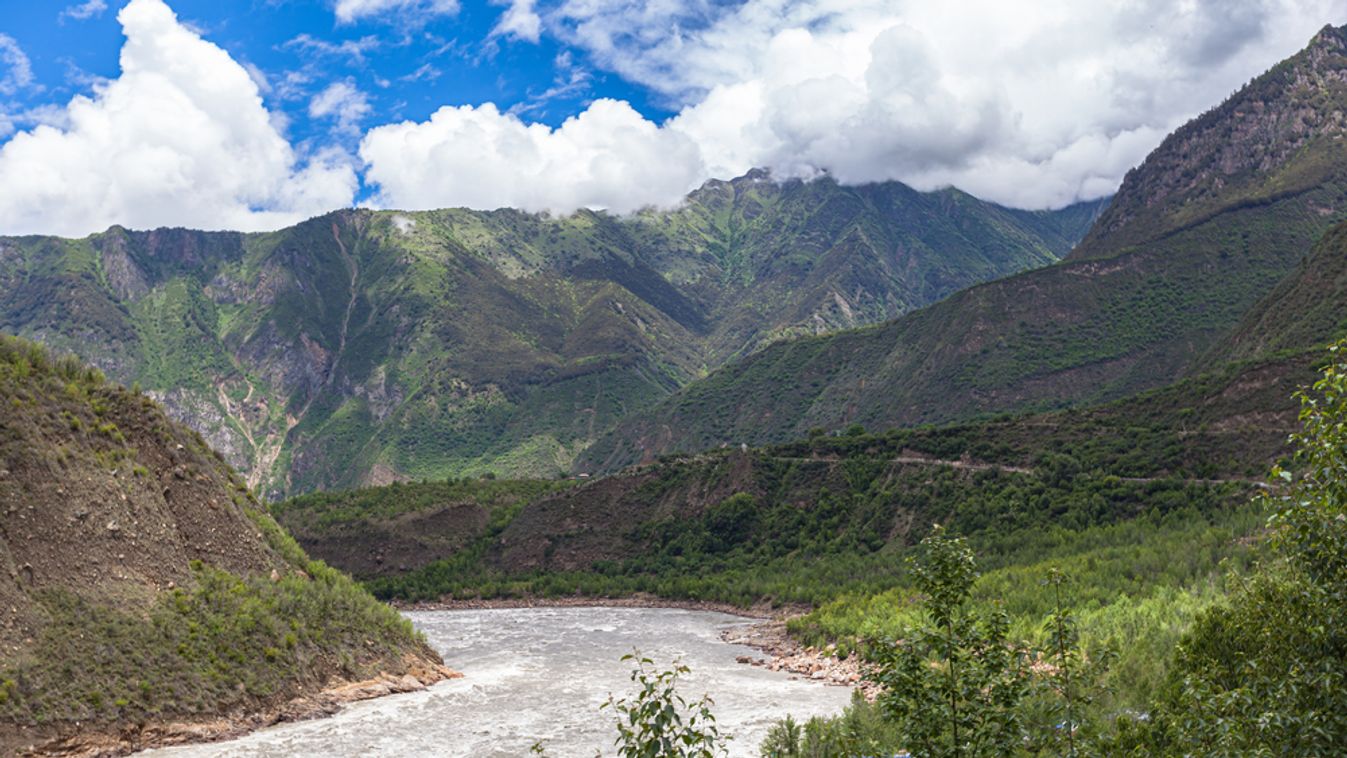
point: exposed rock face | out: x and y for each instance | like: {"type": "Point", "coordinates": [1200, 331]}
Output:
{"type": "Point", "coordinates": [1225, 155]}
{"type": "Point", "coordinates": [124, 277]}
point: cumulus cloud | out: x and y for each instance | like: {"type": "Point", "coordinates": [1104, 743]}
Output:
{"type": "Point", "coordinates": [344, 103]}
{"type": "Point", "coordinates": [181, 137]}
{"type": "Point", "coordinates": [405, 12]}
{"type": "Point", "coordinates": [1032, 109]}
{"type": "Point", "coordinates": [608, 156]}
{"type": "Point", "coordinates": [519, 21]}
{"type": "Point", "coordinates": [16, 71]}
{"type": "Point", "coordinates": [85, 11]}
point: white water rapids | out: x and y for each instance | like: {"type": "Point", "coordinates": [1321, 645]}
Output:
{"type": "Point", "coordinates": [540, 674]}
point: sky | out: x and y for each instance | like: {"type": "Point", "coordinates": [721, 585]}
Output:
{"type": "Point", "coordinates": [255, 114]}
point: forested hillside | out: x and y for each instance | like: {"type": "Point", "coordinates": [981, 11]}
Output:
{"type": "Point", "coordinates": [367, 347]}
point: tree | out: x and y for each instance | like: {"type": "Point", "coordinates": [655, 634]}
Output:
{"type": "Point", "coordinates": [954, 685]}
{"type": "Point", "coordinates": [1061, 717]}
{"type": "Point", "coordinates": [658, 723]}
{"type": "Point", "coordinates": [1267, 674]}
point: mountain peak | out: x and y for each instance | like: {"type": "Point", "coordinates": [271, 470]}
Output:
{"type": "Point", "coordinates": [1275, 137]}
{"type": "Point", "coordinates": [1330, 38]}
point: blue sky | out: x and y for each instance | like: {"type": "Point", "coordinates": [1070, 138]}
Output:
{"type": "Point", "coordinates": [407, 64]}
{"type": "Point", "coordinates": [257, 113]}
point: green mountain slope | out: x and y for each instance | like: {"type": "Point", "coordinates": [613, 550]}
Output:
{"type": "Point", "coordinates": [1309, 308]}
{"type": "Point", "coordinates": [142, 583]}
{"type": "Point", "coordinates": [1142, 501]}
{"type": "Point", "coordinates": [1227, 425]}
{"type": "Point", "coordinates": [1192, 242]}
{"type": "Point", "coordinates": [367, 347]}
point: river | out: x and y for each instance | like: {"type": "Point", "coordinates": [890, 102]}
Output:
{"type": "Point", "coordinates": [540, 674]}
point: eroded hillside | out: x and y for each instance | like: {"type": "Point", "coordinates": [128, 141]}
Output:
{"type": "Point", "coordinates": [142, 583]}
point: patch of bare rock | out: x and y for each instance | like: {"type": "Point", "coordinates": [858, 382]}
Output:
{"type": "Point", "coordinates": [787, 654]}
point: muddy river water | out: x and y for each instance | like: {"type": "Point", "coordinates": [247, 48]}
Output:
{"type": "Point", "coordinates": [540, 674]}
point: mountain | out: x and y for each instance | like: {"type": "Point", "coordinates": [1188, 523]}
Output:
{"type": "Point", "coordinates": [1212, 221]}
{"type": "Point", "coordinates": [1228, 425]}
{"type": "Point", "coordinates": [367, 347]}
{"type": "Point", "coordinates": [148, 597]}
{"type": "Point", "coordinates": [1308, 308]}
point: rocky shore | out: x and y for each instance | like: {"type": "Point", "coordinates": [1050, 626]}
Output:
{"type": "Point", "coordinates": [132, 738]}
{"type": "Point", "coordinates": [787, 654]}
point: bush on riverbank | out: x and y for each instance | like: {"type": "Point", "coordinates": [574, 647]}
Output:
{"type": "Point", "coordinates": [224, 643]}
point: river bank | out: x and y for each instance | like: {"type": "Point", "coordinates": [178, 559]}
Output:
{"type": "Point", "coordinates": [131, 738]}
{"type": "Point", "coordinates": [540, 675]}
{"type": "Point", "coordinates": [758, 611]}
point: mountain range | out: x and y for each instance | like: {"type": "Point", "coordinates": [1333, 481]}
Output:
{"type": "Point", "coordinates": [1215, 218]}
{"type": "Point", "coordinates": [780, 387]}
{"type": "Point", "coordinates": [367, 347]}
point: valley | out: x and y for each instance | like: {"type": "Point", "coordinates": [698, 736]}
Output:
{"type": "Point", "coordinates": [1070, 481]}
{"type": "Point", "coordinates": [363, 348]}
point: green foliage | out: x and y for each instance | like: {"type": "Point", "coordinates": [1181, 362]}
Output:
{"type": "Point", "coordinates": [860, 730]}
{"type": "Point", "coordinates": [657, 722]}
{"type": "Point", "coordinates": [955, 684]}
{"type": "Point", "coordinates": [325, 510]}
{"type": "Point", "coordinates": [226, 642]}
{"type": "Point", "coordinates": [1265, 674]}
{"type": "Point", "coordinates": [1060, 713]}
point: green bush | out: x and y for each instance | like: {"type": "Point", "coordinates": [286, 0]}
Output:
{"type": "Point", "coordinates": [657, 722]}
{"type": "Point", "coordinates": [1266, 674]}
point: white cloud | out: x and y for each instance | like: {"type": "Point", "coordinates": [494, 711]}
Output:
{"type": "Point", "coordinates": [343, 102]}
{"type": "Point", "coordinates": [179, 138]}
{"type": "Point", "coordinates": [608, 156]}
{"type": "Point", "coordinates": [16, 71]}
{"type": "Point", "coordinates": [353, 49]}
{"type": "Point", "coordinates": [1029, 107]}
{"type": "Point", "coordinates": [519, 21]}
{"type": "Point", "coordinates": [404, 12]}
{"type": "Point", "coordinates": [85, 11]}
{"type": "Point", "coordinates": [1032, 109]}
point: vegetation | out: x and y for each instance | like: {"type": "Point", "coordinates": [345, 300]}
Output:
{"type": "Point", "coordinates": [1264, 673]}
{"type": "Point", "coordinates": [953, 687]}
{"type": "Point", "coordinates": [362, 508]}
{"type": "Point", "coordinates": [222, 643]}
{"type": "Point", "coordinates": [1260, 672]}
{"type": "Point", "coordinates": [454, 343]}
{"type": "Point", "coordinates": [147, 583]}
{"type": "Point", "coordinates": [657, 722]}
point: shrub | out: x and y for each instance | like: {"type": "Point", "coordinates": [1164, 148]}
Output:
{"type": "Point", "coordinates": [954, 685]}
{"type": "Point", "coordinates": [658, 723]}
